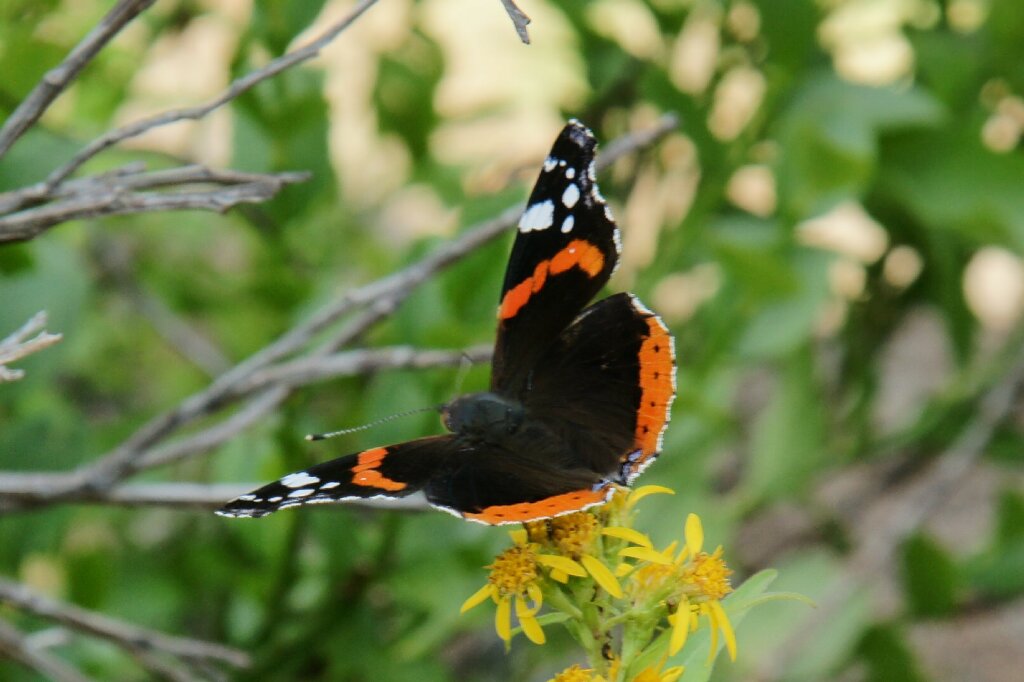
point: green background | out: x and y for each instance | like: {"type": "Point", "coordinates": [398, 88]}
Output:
{"type": "Point", "coordinates": [816, 387]}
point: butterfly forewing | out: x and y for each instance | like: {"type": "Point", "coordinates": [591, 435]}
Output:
{"type": "Point", "coordinates": [566, 248]}
{"type": "Point", "coordinates": [391, 471]}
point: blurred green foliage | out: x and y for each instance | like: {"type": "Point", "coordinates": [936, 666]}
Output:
{"type": "Point", "coordinates": [783, 381]}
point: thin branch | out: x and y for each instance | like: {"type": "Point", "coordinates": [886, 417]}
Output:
{"type": "Point", "coordinates": [181, 336]}
{"type": "Point", "coordinates": [17, 647]}
{"type": "Point", "coordinates": [519, 19]}
{"type": "Point", "coordinates": [168, 669]}
{"type": "Point", "coordinates": [380, 297]}
{"type": "Point", "coordinates": [56, 80]}
{"type": "Point", "coordinates": [308, 370]}
{"type": "Point", "coordinates": [183, 495]}
{"type": "Point", "coordinates": [237, 87]}
{"type": "Point", "coordinates": [272, 385]}
{"type": "Point", "coordinates": [14, 199]}
{"type": "Point", "coordinates": [252, 413]}
{"type": "Point", "coordinates": [125, 635]}
{"type": "Point", "coordinates": [18, 345]}
{"type": "Point", "coordinates": [119, 196]}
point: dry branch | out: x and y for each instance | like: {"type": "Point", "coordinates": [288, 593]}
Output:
{"type": "Point", "coordinates": [26, 212]}
{"type": "Point", "coordinates": [125, 635]}
{"type": "Point", "coordinates": [17, 647]}
{"type": "Point", "coordinates": [519, 19]}
{"type": "Point", "coordinates": [56, 80]}
{"type": "Point", "coordinates": [18, 345]}
{"type": "Point", "coordinates": [183, 495]}
{"type": "Point", "coordinates": [236, 88]}
{"type": "Point", "coordinates": [120, 195]}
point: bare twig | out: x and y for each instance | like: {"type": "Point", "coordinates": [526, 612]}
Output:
{"type": "Point", "coordinates": [125, 635]}
{"type": "Point", "coordinates": [183, 495]}
{"type": "Point", "coordinates": [307, 370]}
{"type": "Point", "coordinates": [186, 340]}
{"type": "Point", "coordinates": [57, 80]}
{"type": "Point", "coordinates": [250, 414]}
{"type": "Point", "coordinates": [519, 19]}
{"type": "Point", "coordinates": [119, 195]}
{"type": "Point", "coordinates": [380, 298]}
{"type": "Point", "coordinates": [17, 647]}
{"type": "Point", "coordinates": [909, 512]}
{"type": "Point", "coordinates": [236, 88]}
{"type": "Point", "coordinates": [18, 345]}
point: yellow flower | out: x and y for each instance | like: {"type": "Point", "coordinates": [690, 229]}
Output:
{"type": "Point", "coordinates": [655, 675]}
{"type": "Point", "coordinates": [692, 581]}
{"type": "Point", "coordinates": [575, 673]}
{"type": "Point", "coordinates": [575, 536]}
{"type": "Point", "coordinates": [514, 581]}
{"type": "Point", "coordinates": [706, 581]}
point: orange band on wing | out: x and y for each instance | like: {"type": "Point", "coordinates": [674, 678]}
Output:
{"type": "Point", "coordinates": [366, 473]}
{"type": "Point", "coordinates": [541, 509]}
{"type": "Point", "coordinates": [577, 253]}
{"type": "Point", "coordinates": [657, 387]}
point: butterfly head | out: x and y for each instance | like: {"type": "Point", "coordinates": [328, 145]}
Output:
{"type": "Point", "coordinates": [485, 416]}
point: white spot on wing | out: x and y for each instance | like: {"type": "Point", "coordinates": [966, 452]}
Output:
{"type": "Point", "coordinates": [275, 499]}
{"type": "Point", "coordinates": [538, 216]}
{"type": "Point", "coordinates": [298, 479]}
{"type": "Point", "coordinates": [567, 224]}
{"type": "Point", "coordinates": [328, 486]}
{"type": "Point", "coordinates": [246, 498]}
{"type": "Point", "coordinates": [571, 195]}
{"type": "Point", "coordinates": [305, 492]}
{"type": "Point", "coordinates": [570, 173]}
{"type": "Point", "coordinates": [549, 164]}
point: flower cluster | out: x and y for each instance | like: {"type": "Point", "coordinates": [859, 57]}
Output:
{"type": "Point", "coordinates": [631, 606]}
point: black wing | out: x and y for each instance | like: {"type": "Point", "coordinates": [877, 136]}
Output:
{"type": "Point", "coordinates": [605, 387]}
{"type": "Point", "coordinates": [392, 471]}
{"type": "Point", "coordinates": [566, 249]}
{"type": "Point", "coordinates": [476, 482]}
{"type": "Point", "coordinates": [496, 486]}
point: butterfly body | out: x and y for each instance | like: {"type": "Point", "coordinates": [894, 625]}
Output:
{"type": "Point", "coordinates": [579, 396]}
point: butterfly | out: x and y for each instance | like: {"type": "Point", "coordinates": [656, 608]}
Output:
{"type": "Point", "coordinates": [579, 396]}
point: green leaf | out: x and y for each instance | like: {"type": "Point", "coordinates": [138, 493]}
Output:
{"type": "Point", "coordinates": [788, 442]}
{"type": "Point", "coordinates": [781, 326]}
{"type": "Point", "coordinates": [930, 578]}
{"type": "Point", "coordinates": [1010, 518]}
{"type": "Point", "coordinates": [829, 137]}
{"type": "Point", "coordinates": [888, 656]}
{"type": "Point", "coordinates": [999, 573]}
{"type": "Point", "coordinates": [950, 181]}
{"type": "Point", "coordinates": [404, 92]}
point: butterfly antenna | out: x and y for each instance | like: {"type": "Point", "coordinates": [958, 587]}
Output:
{"type": "Point", "coordinates": [376, 422]}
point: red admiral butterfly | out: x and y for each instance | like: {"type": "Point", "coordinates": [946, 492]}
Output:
{"type": "Point", "coordinates": [578, 400]}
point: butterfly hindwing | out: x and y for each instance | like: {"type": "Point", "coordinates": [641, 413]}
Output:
{"type": "Point", "coordinates": [606, 386]}
{"type": "Point", "coordinates": [566, 248]}
{"type": "Point", "coordinates": [494, 485]}
{"type": "Point", "coordinates": [391, 471]}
